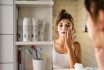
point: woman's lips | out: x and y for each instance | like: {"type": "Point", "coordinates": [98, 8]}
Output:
{"type": "Point", "coordinates": [63, 32]}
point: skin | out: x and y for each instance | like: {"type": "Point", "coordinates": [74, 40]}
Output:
{"type": "Point", "coordinates": [96, 33]}
{"type": "Point", "coordinates": [96, 30]}
{"type": "Point", "coordinates": [77, 52]}
{"type": "Point", "coordinates": [63, 44]}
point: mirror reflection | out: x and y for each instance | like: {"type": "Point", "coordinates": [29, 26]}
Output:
{"type": "Point", "coordinates": [71, 40]}
{"type": "Point", "coordinates": [65, 49]}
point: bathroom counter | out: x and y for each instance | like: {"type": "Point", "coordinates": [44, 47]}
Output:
{"type": "Point", "coordinates": [63, 69]}
{"type": "Point", "coordinates": [74, 69]}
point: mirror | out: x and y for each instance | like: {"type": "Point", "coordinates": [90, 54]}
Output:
{"type": "Point", "coordinates": [77, 10]}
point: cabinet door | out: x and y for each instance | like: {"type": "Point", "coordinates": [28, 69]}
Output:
{"type": "Point", "coordinates": [8, 66]}
{"type": "Point", "coordinates": [6, 48]}
{"type": "Point", "coordinates": [6, 1]}
{"type": "Point", "coordinates": [6, 19]}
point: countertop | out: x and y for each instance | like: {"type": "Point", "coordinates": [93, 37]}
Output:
{"type": "Point", "coordinates": [63, 69]}
{"type": "Point", "coordinates": [74, 69]}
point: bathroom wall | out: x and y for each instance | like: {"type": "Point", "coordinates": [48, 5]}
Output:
{"type": "Point", "coordinates": [77, 10]}
{"type": "Point", "coordinates": [69, 5]}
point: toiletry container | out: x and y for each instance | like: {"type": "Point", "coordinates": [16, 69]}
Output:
{"type": "Point", "coordinates": [20, 30]}
{"type": "Point", "coordinates": [27, 29]}
{"type": "Point", "coordinates": [41, 31]}
{"type": "Point", "coordinates": [34, 29]}
{"type": "Point", "coordinates": [39, 64]}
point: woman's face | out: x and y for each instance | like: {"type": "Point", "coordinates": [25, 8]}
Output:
{"type": "Point", "coordinates": [63, 26]}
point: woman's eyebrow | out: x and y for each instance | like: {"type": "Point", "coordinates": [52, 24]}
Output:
{"type": "Point", "coordinates": [60, 23]}
{"type": "Point", "coordinates": [68, 23]}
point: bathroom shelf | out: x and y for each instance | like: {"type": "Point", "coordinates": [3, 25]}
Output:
{"type": "Point", "coordinates": [34, 3]}
{"type": "Point", "coordinates": [39, 9]}
{"type": "Point", "coordinates": [35, 43]}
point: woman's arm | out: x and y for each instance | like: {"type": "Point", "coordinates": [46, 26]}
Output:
{"type": "Point", "coordinates": [77, 51]}
{"type": "Point", "coordinates": [72, 59]}
{"type": "Point", "coordinates": [70, 51]}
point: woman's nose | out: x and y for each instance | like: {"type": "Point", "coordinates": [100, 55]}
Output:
{"type": "Point", "coordinates": [64, 28]}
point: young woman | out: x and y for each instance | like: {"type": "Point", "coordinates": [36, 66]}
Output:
{"type": "Point", "coordinates": [95, 26]}
{"type": "Point", "coordinates": [65, 55]}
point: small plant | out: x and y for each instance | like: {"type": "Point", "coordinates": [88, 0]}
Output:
{"type": "Point", "coordinates": [35, 52]}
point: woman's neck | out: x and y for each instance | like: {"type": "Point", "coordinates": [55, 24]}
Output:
{"type": "Point", "coordinates": [60, 41]}
{"type": "Point", "coordinates": [60, 46]}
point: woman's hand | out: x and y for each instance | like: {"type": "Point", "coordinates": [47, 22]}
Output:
{"type": "Point", "coordinates": [70, 53]}
{"type": "Point", "coordinates": [68, 40]}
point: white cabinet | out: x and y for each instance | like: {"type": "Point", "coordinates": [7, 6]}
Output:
{"type": "Point", "coordinates": [8, 66]}
{"type": "Point", "coordinates": [6, 48]}
{"type": "Point", "coordinates": [40, 9]}
{"type": "Point", "coordinates": [6, 19]}
{"type": "Point", "coordinates": [6, 1]}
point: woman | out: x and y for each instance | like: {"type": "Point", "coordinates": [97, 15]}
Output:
{"type": "Point", "coordinates": [95, 25]}
{"type": "Point", "coordinates": [64, 54]}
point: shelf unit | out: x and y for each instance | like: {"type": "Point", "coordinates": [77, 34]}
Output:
{"type": "Point", "coordinates": [35, 6]}
{"type": "Point", "coordinates": [41, 9]}
{"type": "Point", "coordinates": [34, 3]}
{"type": "Point", "coordinates": [35, 43]}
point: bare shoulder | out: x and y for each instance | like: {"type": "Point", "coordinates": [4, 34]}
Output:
{"type": "Point", "coordinates": [76, 45]}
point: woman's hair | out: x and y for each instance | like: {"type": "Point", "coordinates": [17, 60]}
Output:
{"type": "Point", "coordinates": [64, 15]}
{"type": "Point", "coordinates": [96, 5]}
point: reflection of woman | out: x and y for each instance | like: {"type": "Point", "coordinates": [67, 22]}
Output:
{"type": "Point", "coordinates": [64, 54]}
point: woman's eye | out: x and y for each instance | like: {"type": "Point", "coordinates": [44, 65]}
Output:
{"type": "Point", "coordinates": [61, 25]}
{"type": "Point", "coordinates": [67, 25]}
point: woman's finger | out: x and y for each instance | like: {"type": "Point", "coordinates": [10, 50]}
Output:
{"type": "Point", "coordinates": [67, 34]}
{"type": "Point", "coordinates": [73, 38]}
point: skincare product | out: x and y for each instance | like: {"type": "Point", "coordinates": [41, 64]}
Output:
{"type": "Point", "coordinates": [27, 29]}
{"type": "Point", "coordinates": [34, 29]}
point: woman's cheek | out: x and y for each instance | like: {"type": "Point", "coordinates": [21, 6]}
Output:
{"type": "Point", "coordinates": [101, 26]}
{"type": "Point", "coordinates": [89, 28]}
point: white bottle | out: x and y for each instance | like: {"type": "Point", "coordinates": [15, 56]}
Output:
{"type": "Point", "coordinates": [27, 29]}
{"type": "Point", "coordinates": [41, 31]}
{"type": "Point", "coordinates": [20, 29]}
{"type": "Point", "coordinates": [34, 29]}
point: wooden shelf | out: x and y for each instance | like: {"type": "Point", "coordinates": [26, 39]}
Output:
{"type": "Point", "coordinates": [34, 3]}
{"type": "Point", "coordinates": [35, 43]}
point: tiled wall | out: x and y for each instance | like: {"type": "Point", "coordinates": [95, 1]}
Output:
{"type": "Point", "coordinates": [77, 10]}
{"type": "Point", "coordinates": [68, 5]}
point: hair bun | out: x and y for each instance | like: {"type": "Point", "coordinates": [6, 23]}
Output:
{"type": "Point", "coordinates": [63, 12]}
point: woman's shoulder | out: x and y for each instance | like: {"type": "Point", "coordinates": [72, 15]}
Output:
{"type": "Point", "coordinates": [76, 44]}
